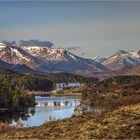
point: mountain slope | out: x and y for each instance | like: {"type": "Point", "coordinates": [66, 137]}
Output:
{"type": "Point", "coordinates": [16, 55]}
{"type": "Point", "coordinates": [20, 68]}
{"type": "Point", "coordinates": [122, 123]}
{"type": "Point", "coordinates": [133, 70]}
{"type": "Point", "coordinates": [122, 59]}
{"type": "Point", "coordinates": [99, 59]}
{"type": "Point", "coordinates": [61, 60]}
{"type": "Point", "coordinates": [46, 59]}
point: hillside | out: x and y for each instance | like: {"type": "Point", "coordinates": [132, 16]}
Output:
{"type": "Point", "coordinates": [118, 98]}
{"type": "Point", "coordinates": [120, 85]}
{"type": "Point", "coordinates": [26, 57]}
{"type": "Point", "coordinates": [44, 59]}
{"type": "Point", "coordinates": [128, 71]}
{"type": "Point", "coordinates": [19, 68]}
{"type": "Point", "coordinates": [113, 92]}
{"type": "Point", "coordinates": [122, 59]}
{"type": "Point", "coordinates": [26, 81]}
{"type": "Point", "coordinates": [122, 123]}
{"type": "Point", "coordinates": [68, 78]}
{"type": "Point", "coordinates": [133, 70]}
{"type": "Point", "coordinates": [42, 81]}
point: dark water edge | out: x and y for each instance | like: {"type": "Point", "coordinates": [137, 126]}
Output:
{"type": "Point", "coordinates": [47, 109]}
{"type": "Point", "coordinates": [12, 110]}
{"type": "Point", "coordinates": [14, 115]}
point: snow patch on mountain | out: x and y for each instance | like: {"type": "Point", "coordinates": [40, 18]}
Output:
{"type": "Point", "coordinates": [45, 52]}
{"type": "Point", "coordinates": [2, 45]}
{"type": "Point", "coordinates": [99, 59]}
{"type": "Point", "coordinates": [135, 54]}
{"type": "Point", "coordinates": [20, 55]}
{"type": "Point", "coordinates": [122, 59]}
{"type": "Point", "coordinates": [46, 59]}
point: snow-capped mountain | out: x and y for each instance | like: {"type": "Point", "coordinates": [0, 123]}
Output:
{"type": "Point", "coordinates": [49, 59]}
{"type": "Point", "coordinates": [122, 59]}
{"type": "Point", "coordinates": [99, 59]}
{"type": "Point", "coordinates": [16, 55]}
{"type": "Point", "coordinates": [46, 53]}
{"type": "Point", "coordinates": [62, 60]}
{"type": "Point", "coordinates": [46, 59]}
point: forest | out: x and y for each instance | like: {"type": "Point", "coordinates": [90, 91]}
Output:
{"type": "Point", "coordinates": [14, 86]}
{"type": "Point", "coordinates": [113, 92]}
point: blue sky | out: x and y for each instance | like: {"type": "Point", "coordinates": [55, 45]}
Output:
{"type": "Point", "coordinates": [94, 27]}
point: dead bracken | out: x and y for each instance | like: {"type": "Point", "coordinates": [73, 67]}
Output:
{"type": "Point", "coordinates": [120, 123]}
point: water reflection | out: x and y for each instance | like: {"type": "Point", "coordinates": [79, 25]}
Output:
{"type": "Point", "coordinates": [58, 103]}
{"type": "Point", "coordinates": [47, 109]}
{"type": "Point", "coordinates": [17, 118]}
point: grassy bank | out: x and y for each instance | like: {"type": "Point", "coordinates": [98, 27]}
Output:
{"type": "Point", "coordinates": [71, 91]}
{"type": "Point", "coordinates": [120, 123]}
{"type": "Point", "coordinates": [58, 94]}
{"type": "Point", "coordinates": [67, 94]}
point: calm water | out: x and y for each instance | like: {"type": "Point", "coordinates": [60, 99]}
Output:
{"type": "Point", "coordinates": [47, 109]}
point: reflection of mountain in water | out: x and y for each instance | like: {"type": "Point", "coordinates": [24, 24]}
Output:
{"type": "Point", "coordinates": [48, 109]}
{"type": "Point", "coordinates": [17, 118]}
{"type": "Point", "coordinates": [59, 103]}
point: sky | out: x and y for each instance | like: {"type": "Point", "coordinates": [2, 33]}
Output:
{"type": "Point", "coordinates": [87, 28]}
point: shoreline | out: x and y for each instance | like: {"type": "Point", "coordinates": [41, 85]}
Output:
{"type": "Point", "coordinates": [6, 111]}
{"type": "Point", "coordinates": [9, 110]}
{"type": "Point", "coordinates": [57, 94]}
{"type": "Point", "coordinates": [97, 127]}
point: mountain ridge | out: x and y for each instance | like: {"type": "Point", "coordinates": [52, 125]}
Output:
{"type": "Point", "coordinates": [46, 59]}
{"type": "Point", "coordinates": [56, 60]}
{"type": "Point", "coordinates": [120, 60]}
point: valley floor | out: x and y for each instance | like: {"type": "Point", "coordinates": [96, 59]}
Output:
{"type": "Point", "coordinates": [122, 123]}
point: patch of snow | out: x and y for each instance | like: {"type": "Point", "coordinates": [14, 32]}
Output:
{"type": "Point", "coordinates": [20, 55]}
{"type": "Point", "coordinates": [35, 48]}
{"type": "Point", "coordinates": [99, 59]}
{"type": "Point", "coordinates": [46, 53]}
{"type": "Point", "coordinates": [17, 52]}
{"type": "Point", "coordinates": [134, 54]}
{"type": "Point", "coordinates": [2, 45]}
{"type": "Point", "coordinates": [72, 56]}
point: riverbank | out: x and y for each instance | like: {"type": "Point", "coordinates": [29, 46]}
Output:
{"type": "Point", "coordinates": [66, 92]}
{"type": "Point", "coordinates": [53, 108]}
{"type": "Point", "coordinates": [73, 92]}
{"type": "Point", "coordinates": [3, 110]}
{"type": "Point", "coordinates": [4, 127]}
{"type": "Point", "coordinates": [122, 123]}
{"type": "Point", "coordinates": [17, 109]}
{"type": "Point", "coordinates": [63, 93]}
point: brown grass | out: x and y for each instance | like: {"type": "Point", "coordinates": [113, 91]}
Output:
{"type": "Point", "coordinates": [123, 123]}
{"type": "Point", "coordinates": [4, 127]}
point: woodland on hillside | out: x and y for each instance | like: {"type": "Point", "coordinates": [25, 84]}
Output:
{"type": "Point", "coordinates": [14, 86]}
{"type": "Point", "coordinates": [113, 92]}
{"type": "Point", "coordinates": [119, 100]}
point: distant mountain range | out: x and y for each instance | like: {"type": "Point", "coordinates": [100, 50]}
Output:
{"type": "Point", "coordinates": [46, 59]}
{"type": "Point", "coordinates": [120, 60]}
{"type": "Point", "coordinates": [32, 58]}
